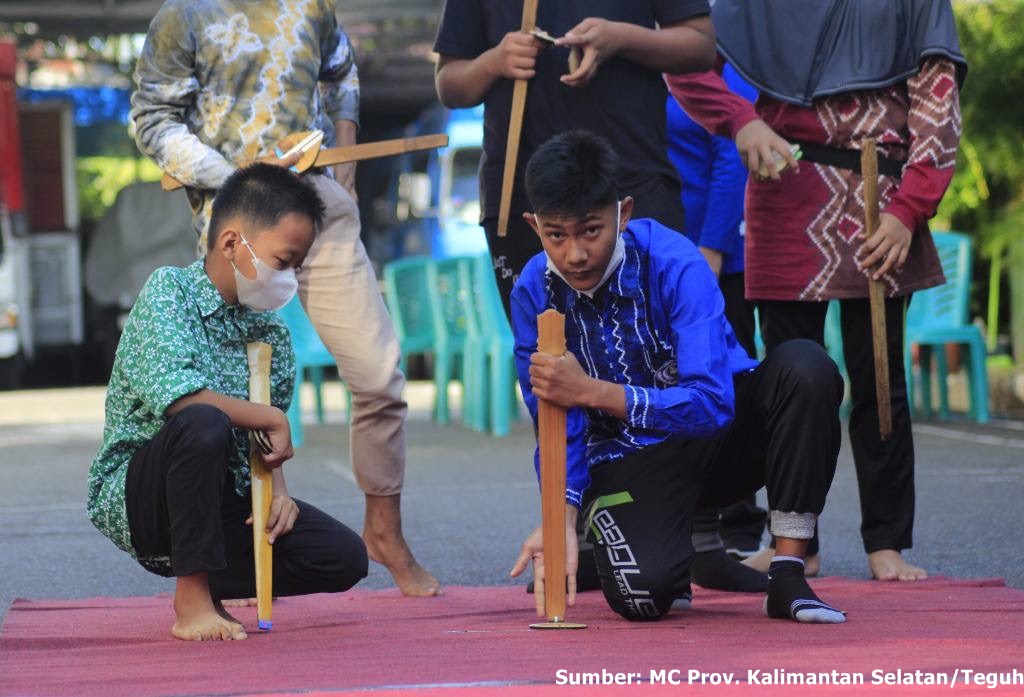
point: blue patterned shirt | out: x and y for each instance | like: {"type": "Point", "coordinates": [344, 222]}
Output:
{"type": "Point", "coordinates": [657, 327]}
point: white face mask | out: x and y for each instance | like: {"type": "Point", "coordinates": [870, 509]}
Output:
{"type": "Point", "coordinates": [618, 254]}
{"type": "Point", "coordinates": [270, 290]}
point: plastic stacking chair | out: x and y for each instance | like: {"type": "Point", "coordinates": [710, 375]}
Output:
{"type": "Point", "coordinates": [939, 316]}
{"type": "Point", "coordinates": [492, 353]}
{"type": "Point", "coordinates": [412, 286]}
{"type": "Point", "coordinates": [475, 378]}
{"type": "Point", "coordinates": [311, 355]}
{"type": "Point", "coordinates": [407, 289]}
{"type": "Point", "coordinates": [834, 347]}
{"type": "Point", "coordinates": [449, 299]}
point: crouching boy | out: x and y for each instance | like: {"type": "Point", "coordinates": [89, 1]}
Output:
{"type": "Point", "coordinates": [666, 412]}
{"type": "Point", "coordinates": [170, 484]}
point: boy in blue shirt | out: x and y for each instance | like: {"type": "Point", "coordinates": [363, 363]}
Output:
{"type": "Point", "coordinates": [170, 484]}
{"type": "Point", "coordinates": [666, 412]}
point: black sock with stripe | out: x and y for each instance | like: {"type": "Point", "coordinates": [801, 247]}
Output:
{"type": "Point", "coordinates": [790, 597]}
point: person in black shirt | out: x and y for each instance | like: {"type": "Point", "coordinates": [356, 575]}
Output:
{"type": "Point", "coordinates": [617, 92]}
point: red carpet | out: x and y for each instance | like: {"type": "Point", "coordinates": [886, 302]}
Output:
{"type": "Point", "coordinates": [475, 642]}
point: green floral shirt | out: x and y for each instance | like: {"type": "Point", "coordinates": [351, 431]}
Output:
{"type": "Point", "coordinates": [180, 337]}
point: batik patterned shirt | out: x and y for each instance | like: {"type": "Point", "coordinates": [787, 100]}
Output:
{"type": "Point", "coordinates": [180, 337]}
{"type": "Point", "coordinates": [804, 234]}
{"type": "Point", "coordinates": [657, 327]}
{"type": "Point", "coordinates": [220, 82]}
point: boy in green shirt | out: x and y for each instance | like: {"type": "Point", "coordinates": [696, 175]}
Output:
{"type": "Point", "coordinates": [170, 482]}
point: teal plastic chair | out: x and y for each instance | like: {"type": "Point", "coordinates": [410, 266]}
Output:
{"type": "Point", "coordinates": [493, 402]}
{"type": "Point", "coordinates": [407, 287]}
{"type": "Point", "coordinates": [834, 347]}
{"type": "Point", "coordinates": [475, 404]}
{"type": "Point", "coordinates": [311, 357]}
{"type": "Point", "coordinates": [939, 316]}
{"type": "Point", "coordinates": [450, 302]}
{"type": "Point", "coordinates": [417, 297]}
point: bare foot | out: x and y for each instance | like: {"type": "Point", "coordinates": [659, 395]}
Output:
{"type": "Point", "coordinates": [382, 533]}
{"type": "Point", "coordinates": [763, 559]}
{"type": "Point", "coordinates": [219, 607]}
{"type": "Point", "coordinates": [198, 618]}
{"type": "Point", "coordinates": [889, 565]}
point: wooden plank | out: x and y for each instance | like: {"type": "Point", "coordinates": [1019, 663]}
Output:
{"type": "Point", "coordinates": [879, 339]}
{"type": "Point", "coordinates": [552, 437]}
{"type": "Point", "coordinates": [261, 485]}
{"type": "Point", "coordinates": [349, 153]}
{"type": "Point", "coordinates": [515, 128]}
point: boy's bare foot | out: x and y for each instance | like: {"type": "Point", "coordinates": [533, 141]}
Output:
{"type": "Point", "coordinates": [219, 607]}
{"type": "Point", "coordinates": [889, 565]}
{"type": "Point", "coordinates": [763, 559]}
{"type": "Point", "coordinates": [382, 533]}
{"type": "Point", "coordinates": [198, 618]}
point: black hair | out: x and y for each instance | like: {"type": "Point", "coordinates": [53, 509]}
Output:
{"type": "Point", "coordinates": [261, 194]}
{"type": "Point", "coordinates": [572, 174]}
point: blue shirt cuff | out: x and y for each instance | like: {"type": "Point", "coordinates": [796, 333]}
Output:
{"type": "Point", "coordinates": [638, 406]}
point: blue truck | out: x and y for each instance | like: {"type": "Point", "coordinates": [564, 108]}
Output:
{"type": "Point", "coordinates": [437, 197]}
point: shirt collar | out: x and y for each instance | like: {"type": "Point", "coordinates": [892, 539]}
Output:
{"type": "Point", "coordinates": [208, 298]}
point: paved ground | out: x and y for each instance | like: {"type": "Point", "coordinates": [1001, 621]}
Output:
{"type": "Point", "coordinates": [470, 499]}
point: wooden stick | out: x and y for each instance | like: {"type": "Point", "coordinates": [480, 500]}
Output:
{"type": "Point", "coordinates": [515, 128]}
{"type": "Point", "coordinates": [551, 436]}
{"type": "Point", "coordinates": [345, 153]}
{"type": "Point", "coordinates": [879, 339]}
{"type": "Point", "coordinates": [261, 485]}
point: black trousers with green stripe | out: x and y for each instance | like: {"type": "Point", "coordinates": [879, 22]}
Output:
{"type": "Point", "coordinates": [785, 436]}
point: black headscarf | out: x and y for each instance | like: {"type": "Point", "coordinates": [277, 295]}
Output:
{"type": "Point", "coordinates": [799, 50]}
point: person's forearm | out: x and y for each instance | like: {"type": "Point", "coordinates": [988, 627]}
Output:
{"type": "Point", "coordinates": [607, 397]}
{"type": "Point", "coordinates": [277, 477]}
{"type": "Point", "coordinates": [242, 413]}
{"type": "Point", "coordinates": [687, 47]}
{"type": "Point", "coordinates": [707, 99]}
{"type": "Point", "coordinates": [464, 83]}
{"type": "Point", "coordinates": [345, 132]}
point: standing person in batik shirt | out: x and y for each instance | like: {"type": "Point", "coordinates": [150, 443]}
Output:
{"type": "Point", "coordinates": [219, 84]}
{"type": "Point", "coordinates": [830, 75]}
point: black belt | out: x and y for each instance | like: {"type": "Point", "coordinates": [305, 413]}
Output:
{"type": "Point", "coordinates": [848, 159]}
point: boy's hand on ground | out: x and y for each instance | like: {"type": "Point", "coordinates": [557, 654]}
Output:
{"type": "Point", "coordinates": [599, 41]}
{"type": "Point", "coordinates": [757, 144]}
{"type": "Point", "coordinates": [559, 379]}
{"type": "Point", "coordinates": [890, 244]}
{"type": "Point", "coordinates": [533, 549]}
{"type": "Point", "coordinates": [516, 56]}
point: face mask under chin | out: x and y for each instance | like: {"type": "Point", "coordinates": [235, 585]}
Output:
{"type": "Point", "coordinates": [618, 254]}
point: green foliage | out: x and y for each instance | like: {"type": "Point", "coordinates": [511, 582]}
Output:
{"type": "Point", "coordinates": [989, 184]}
{"type": "Point", "coordinates": [100, 179]}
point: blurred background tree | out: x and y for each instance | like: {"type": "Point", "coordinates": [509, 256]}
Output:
{"type": "Point", "coordinates": [986, 198]}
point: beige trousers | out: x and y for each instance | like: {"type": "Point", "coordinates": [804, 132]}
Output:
{"type": "Point", "coordinates": [339, 291]}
